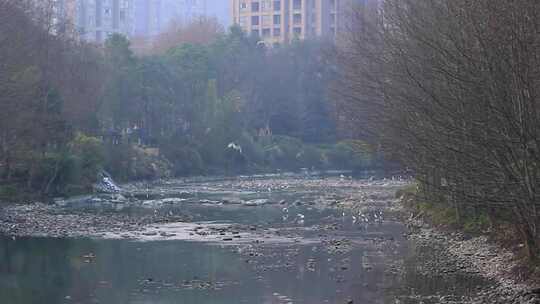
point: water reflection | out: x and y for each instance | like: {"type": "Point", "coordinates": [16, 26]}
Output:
{"type": "Point", "coordinates": [90, 271]}
{"type": "Point", "coordinates": [57, 271]}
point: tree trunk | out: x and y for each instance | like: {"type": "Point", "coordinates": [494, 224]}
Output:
{"type": "Point", "coordinates": [532, 244]}
{"type": "Point", "coordinates": [53, 178]}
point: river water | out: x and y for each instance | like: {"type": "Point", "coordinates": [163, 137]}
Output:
{"type": "Point", "coordinates": [267, 239]}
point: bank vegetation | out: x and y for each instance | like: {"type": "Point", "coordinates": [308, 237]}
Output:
{"type": "Point", "coordinates": [451, 89]}
{"type": "Point", "coordinates": [199, 99]}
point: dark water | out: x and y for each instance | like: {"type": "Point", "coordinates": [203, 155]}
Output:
{"type": "Point", "coordinates": [308, 270]}
{"type": "Point", "coordinates": [53, 271]}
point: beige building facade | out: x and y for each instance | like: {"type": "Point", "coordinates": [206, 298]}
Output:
{"type": "Point", "coordinates": [280, 21]}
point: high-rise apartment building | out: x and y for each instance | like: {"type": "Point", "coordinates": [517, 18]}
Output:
{"type": "Point", "coordinates": [64, 10]}
{"type": "Point", "coordinates": [148, 18]}
{"type": "Point", "coordinates": [97, 19]}
{"type": "Point", "coordinates": [280, 21]}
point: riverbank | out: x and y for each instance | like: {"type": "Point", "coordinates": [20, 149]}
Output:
{"type": "Point", "coordinates": [454, 252]}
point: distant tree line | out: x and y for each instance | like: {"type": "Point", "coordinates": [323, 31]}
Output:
{"type": "Point", "coordinates": [197, 100]}
{"type": "Point", "coordinates": [451, 89]}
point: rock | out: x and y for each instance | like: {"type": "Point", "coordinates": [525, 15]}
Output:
{"type": "Point", "coordinates": [257, 202]}
{"type": "Point", "coordinates": [105, 184]}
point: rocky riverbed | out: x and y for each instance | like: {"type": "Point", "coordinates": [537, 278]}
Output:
{"type": "Point", "coordinates": [345, 235]}
{"type": "Point", "coordinates": [42, 220]}
{"type": "Point", "coordinates": [454, 255]}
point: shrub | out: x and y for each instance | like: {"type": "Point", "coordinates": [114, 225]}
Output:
{"type": "Point", "coordinates": [8, 192]}
{"type": "Point", "coordinates": [253, 151]}
{"type": "Point", "coordinates": [118, 160]}
{"type": "Point", "coordinates": [71, 170]}
{"type": "Point", "coordinates": [147, 164]}
{"type": "Point", "coordinates": [355, 155]}
{"type": "Point", "coordinates": [283, 152]}
{"type": "Point", "coordinates": [185, 161]}
{"type": "Point", "coordinates": [89, 156]}
{"type": "Point", "coordinates": [310, 157]}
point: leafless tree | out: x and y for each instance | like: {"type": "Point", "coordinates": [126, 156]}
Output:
{"type": "Point", "coordinates": [48, 82]}
{"type": "Point", "coordinates": [451, 88]}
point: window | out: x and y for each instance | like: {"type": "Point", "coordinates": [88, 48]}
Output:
{"type": "Point", "coordinates": [255, 7]}
{"type": "Point", "coordinates": [255, 33]}
{"type": "Point", "coordinates": [266, 32]}
{"type": "Point", "coordinates": [266, 5]}
{"type": "Point", "coordinates": [254, 20]}
{"type": "Point", "coordinates": [243, 6]}
{"type": "Point", "coordinates": [297, 4]}
{"type": "Point", "coordinates": [333, 18]}
{"type": "Point", "coordinates": [243, 21]}
{"type": "Point", "coordinates": [297, 31]}
{"type": "Point", "coordinates": [266, 20]}
{"type": "Point", "coordinates": [277, 6]}
{"type": "Point", "coordinates": [277, 32]}
{"type": "Point", "coordinates": [277, 19]}
{"type": "Point", "coordinates": [297, 18]}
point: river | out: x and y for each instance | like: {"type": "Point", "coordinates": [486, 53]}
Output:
{"type": "Point", "coordinates": [258, 239]}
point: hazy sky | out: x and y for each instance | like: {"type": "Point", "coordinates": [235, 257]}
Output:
{"type": "Point", "coordinates": [220, 9]}
{"type": "Point", "coordinates": [178, 9]}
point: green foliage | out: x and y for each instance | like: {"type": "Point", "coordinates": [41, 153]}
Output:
{"type": "Point", "coordinates": [477, 224]}
{"type": "Point", "coordinates": [89, 154]}
{"type": "Point", "coordinates": [72, 170]}
{"type": "Point", "coordinates": [76, 168]}
{"type": "Point", "coordinates": [355, 155]}
{"type": "Point", "coordinates": [191, 61]}
{"type": "Point", "coordinates": [118, 52]}
{"type": "Point", "coordinates": [310, 157]}
{"type": "Point", "coordinates": [440, 213]}
{"type": "Point", "coordinates": [195, 100]}
{"type": "Point", "coordinates": [130, 162]}
{"type": "Point", "coordinates": [282, 152]}
{"type": "Point", "coordinates": [8, 192]}
{"type": "Point", "coordinates": [185, 160]}
{"type": "Point", "coordinates": [146, 165]}
{"type": "Point", "coordinates": [252, 150]}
